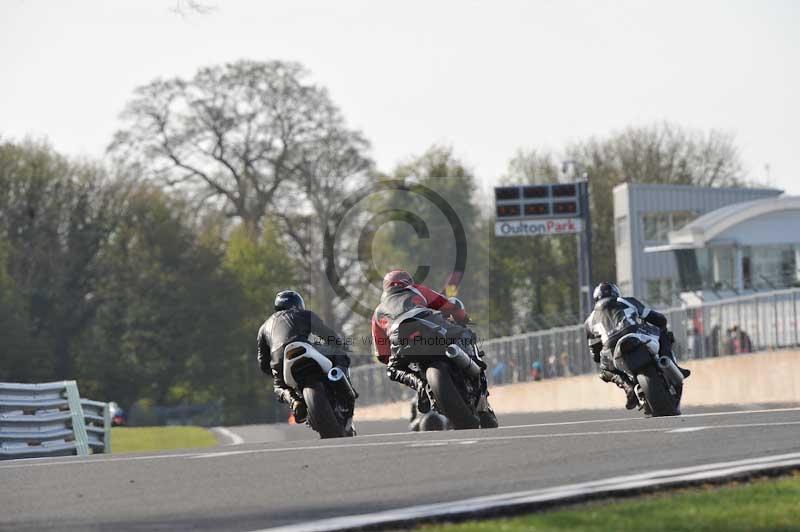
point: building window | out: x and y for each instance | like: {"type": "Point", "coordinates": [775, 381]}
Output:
{"type": "Point", "coordinates": [657, 225]}
{"type": "Point", "coordinates": [722, 270]}
{"type": "Point", "coordinates": [768, 267]}
{"type": "Point", "coordinates": [681, 219]}
{"type": "Point", "coordinates": [659, 292]}
{"type": "Point", "coordinates": [621, 230]}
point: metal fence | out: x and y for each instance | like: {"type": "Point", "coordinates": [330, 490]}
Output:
{"type": "Point", "coordinates": [51, 419]}
{"type": "Point", "coordinates": [758, 322]}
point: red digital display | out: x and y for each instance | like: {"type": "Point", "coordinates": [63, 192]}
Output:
{"type": "Point", "coordinates": [563, 191]}
{"type": "Point", "coordinates": [506, 193]}
{"type": "Point", "coordinates": [536, 192]}
{"type": "Point", "coordinates": [537, 209]}
{"type": "Point", "coordinates": [565, 207]}
{"type": "Point", "coordinates": [507, 211]}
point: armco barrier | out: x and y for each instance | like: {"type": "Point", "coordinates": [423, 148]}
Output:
{"type": "Point", "coordinates": [752, 323]}
{"type": "Point", "coordinates": [51, 419]}
{"type": "Point", "coordinates": [97, 417]}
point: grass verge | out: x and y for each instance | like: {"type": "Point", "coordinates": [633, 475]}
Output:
{"type": "Point", "coordinates": [137, 439]}
{"type": "Point", "coordinates": [763, 506]}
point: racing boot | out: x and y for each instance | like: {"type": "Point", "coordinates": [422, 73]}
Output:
{"type": "Point", "coordinates": [411, 380]}
{"type": "Point", "coordinates": [350, 428]}
{"type": "Point", "coordinates": [486, 415]}
{"type": "Point", "coordinates": [300, 411]}
{"type": "Point", "coordinates": [423, 400]}
{"type": "Point", "coordinates": [625, 384]}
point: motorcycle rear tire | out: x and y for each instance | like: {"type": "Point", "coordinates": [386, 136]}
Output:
{"type": "Point", "coordinates": [320, 412]}
{"type": "Point", "coordinates": [655, 390]}
{"type": "Point", "coordinates": [449, 399]}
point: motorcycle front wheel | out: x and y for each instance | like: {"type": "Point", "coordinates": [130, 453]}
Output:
{"type": "Point", "coordinates": [448, 398]}
{"type": "Point", "coordinates": [320, 412]}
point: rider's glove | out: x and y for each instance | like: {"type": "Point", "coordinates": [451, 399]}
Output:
{"type": "Point", "coordinates": [596, 357]}
{"type": "Point", "coordinates": [300, 411]}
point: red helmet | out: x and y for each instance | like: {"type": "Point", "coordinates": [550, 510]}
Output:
{"type": "Point", "coordinates": [397, 278]}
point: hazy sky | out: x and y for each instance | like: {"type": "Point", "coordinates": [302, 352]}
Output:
{"type": "Point", "coordinates": [484, 77]}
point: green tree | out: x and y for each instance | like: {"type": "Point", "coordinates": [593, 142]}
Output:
{"type": "Point", "coordinates": [56, 216]}
{"type": "Point", "coordinates": [261, 267]}
{"type": "Point", "coordinates": [168, 311]}
{"type": "Point", "coordinates": [21, 355]}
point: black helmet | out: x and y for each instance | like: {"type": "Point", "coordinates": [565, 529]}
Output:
{"type": "Point", "coordinates": [457, 302]}
{"type": "Point", "coordinates": [605, 290]}
{"type": "Point", "coordinates": [288, 299]}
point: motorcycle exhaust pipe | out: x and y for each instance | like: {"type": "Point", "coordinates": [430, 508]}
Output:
{"type": "Point", "coordinates": [462, 360]}
{"type": "Point", "coordinates": [670, 371]}
{"type": "Point", "coordinates": [341, 384]}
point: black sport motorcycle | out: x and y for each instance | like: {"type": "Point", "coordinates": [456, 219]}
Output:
{"type": "Point", "coordinates": [453, 370]}
{"type": "Point", "coordinates": [328, 393]}
{"type": "Point", "coordinates": [658, 379]}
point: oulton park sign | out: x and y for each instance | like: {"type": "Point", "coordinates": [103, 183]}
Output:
{"type": "Point", "coordinates": [556, 226]}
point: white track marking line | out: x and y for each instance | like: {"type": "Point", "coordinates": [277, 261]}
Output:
{"type": "Point", "coordinates": [229, 434]}
{"type": "Point", "coordinates": [43, 462]}
{"type": "Point", "coordinates": [610, 420]}
{"type": "Point", "coordinates": [485, 439]}
{"type": "Point", "coordinates": [686, 429]}
{"type": "Point", "coordinates": [400, 517]}
{"type": "Point", "coordinates": [622, 419]}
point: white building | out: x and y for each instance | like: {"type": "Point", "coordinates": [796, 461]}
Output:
{"type": "Point", "coordinates": [739, 249]}
{"type": "Point", "coordinates": [644, 217]}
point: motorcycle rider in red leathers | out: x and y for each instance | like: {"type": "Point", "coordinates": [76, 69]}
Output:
{"type": "Point", "coordinates": [401, 299]}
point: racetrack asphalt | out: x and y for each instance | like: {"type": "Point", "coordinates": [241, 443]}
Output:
{"type": "Point", "coordinates": [295, 478]}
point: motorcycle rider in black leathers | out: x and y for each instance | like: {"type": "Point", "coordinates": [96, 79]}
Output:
{"type": "Point", "coordinates": [292, 322]}
{"type": "Point", "coordinates": [613, 317]}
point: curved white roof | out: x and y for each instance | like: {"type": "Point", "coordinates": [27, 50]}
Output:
{"type": "Point", "coordinates": [714, 223]}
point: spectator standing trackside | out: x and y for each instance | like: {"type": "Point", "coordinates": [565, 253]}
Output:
{"type": "Point", "coordinates": [536, 371]}
{"type": "Point", "coordinates": [565, 371]}
{"type": "Point", "coordinates": [499, 372]}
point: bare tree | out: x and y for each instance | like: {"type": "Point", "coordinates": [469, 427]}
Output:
{"type": "Point", "coordinates": [531, 166]}
{"type": "Point", "coordinates": [326, 175]}
{"type": "Point", "coordinates": [668, 154]}
{"type": "Point", "coordinates": [234, 134]}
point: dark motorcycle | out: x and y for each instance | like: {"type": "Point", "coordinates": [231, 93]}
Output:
{"type": "Point", "coordinates": [454, 371]}
{"type": "Point", "coordinates": [328, 393]}
{"type": "Point", "coordinates": [658, 379]}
